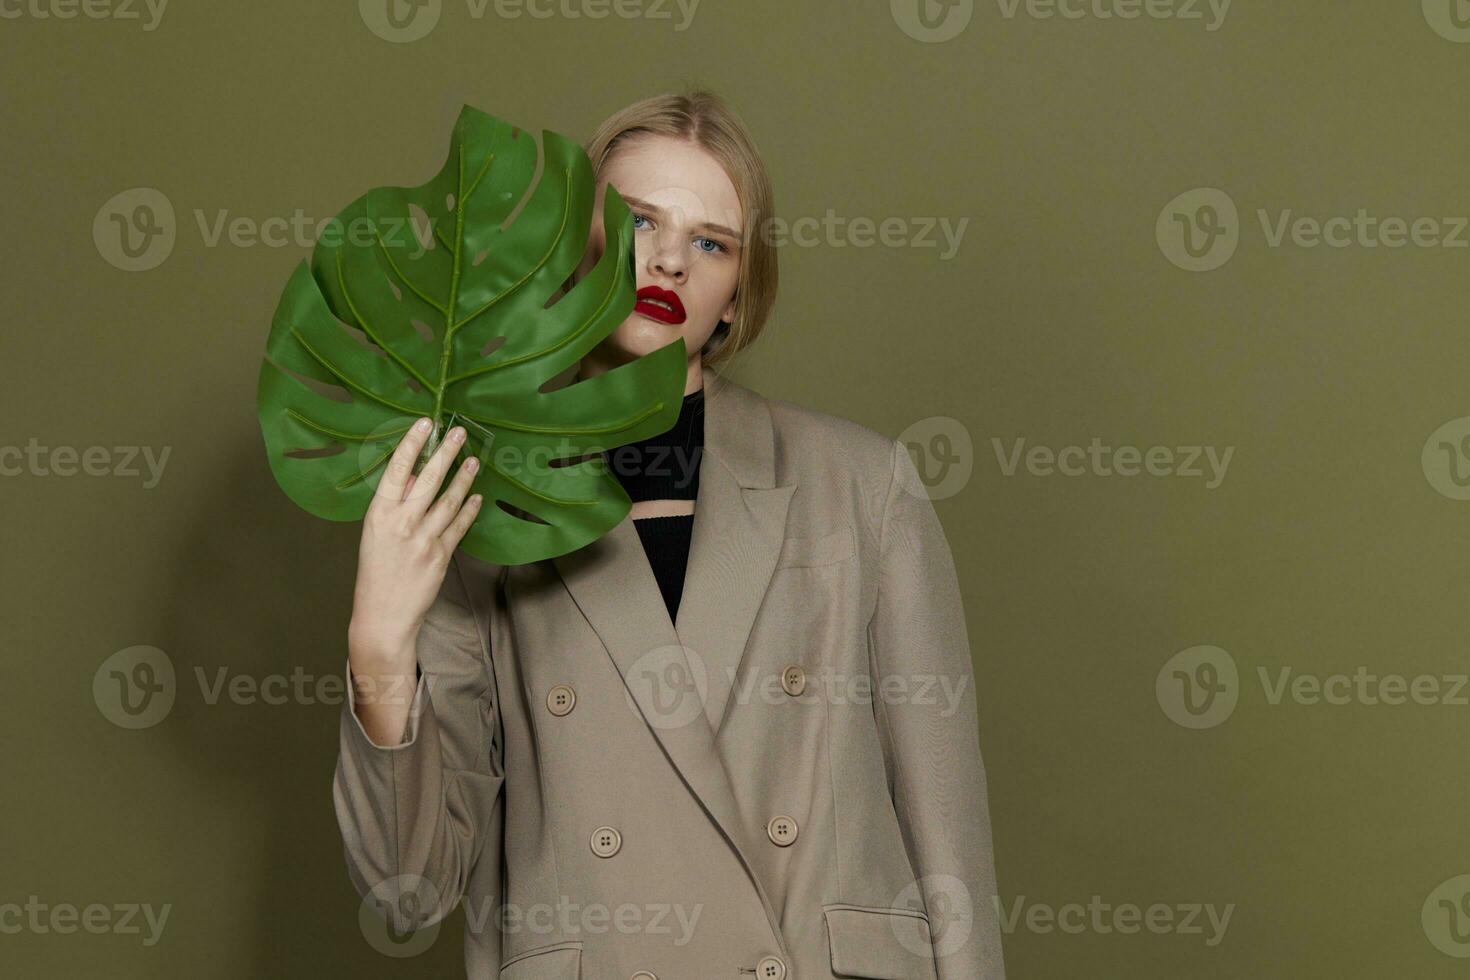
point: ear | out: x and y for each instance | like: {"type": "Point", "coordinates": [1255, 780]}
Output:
{"type": "Point", "coordinates": [729, 315]}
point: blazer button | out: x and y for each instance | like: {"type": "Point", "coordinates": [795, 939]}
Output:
{"type": "Point", "coordinates": [782, 832]}
{"type": "Point", "coordinates": [771, 968]}
{"type": "Point", "coordinates": [793, 680]}
{"type": "Point", "coordinates": [606, 841]}
{"type": "Point", "coordinates": [643, 975]}
{"type": "Point", "coordinates": [560, 700]}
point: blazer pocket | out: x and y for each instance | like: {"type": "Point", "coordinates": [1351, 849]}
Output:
{"type": "Point", "coordinates": [879, 943]}
{"type": "Point", "coordinates": [821, 549]}
{"type": "Point", "coordinates": [562, 961]}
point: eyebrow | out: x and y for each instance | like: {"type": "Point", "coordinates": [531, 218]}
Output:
{"type": "Point", "coordinates": [709, 226]}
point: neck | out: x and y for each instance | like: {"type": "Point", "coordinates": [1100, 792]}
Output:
{"type": "Point", "coordinates": [695, 379]}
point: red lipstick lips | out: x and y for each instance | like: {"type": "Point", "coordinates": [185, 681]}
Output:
{"type": "Point", "coordinates": [660, 304]}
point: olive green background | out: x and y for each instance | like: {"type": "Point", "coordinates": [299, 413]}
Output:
{"type": "Point", "coordinates": [1325, 549]}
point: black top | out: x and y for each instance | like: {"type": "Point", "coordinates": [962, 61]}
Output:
{"type": "Point", "coordinates": [665, 467]}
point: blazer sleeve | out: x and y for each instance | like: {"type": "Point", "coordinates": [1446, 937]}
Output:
{"type": "Point", "coordinates": [931, 743]}
{"type": "Point", "coordinates": [417, 817]}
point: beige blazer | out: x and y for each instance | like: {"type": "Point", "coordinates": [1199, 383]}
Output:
{"type": "Point", "coordinates": [786, 784]}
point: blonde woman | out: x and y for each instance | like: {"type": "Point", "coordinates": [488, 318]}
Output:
{"type": "Point", "coordinates": [714, 743]}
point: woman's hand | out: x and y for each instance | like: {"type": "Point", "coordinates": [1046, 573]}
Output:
{"type": "Point", "coordinates": [408, 537]}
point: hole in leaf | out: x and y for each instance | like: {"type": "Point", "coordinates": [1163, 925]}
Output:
{"type": "Point", "coordinates": [360, 337]}
{"type": "Point", "coordinates": [494, 345]}
{"type": "Point", "coordinates": [397, 293]}
{"type": "Point", "coordinates": [575, 460]}
{"type": "Point", "coordinates": [517, 512]}
{"type": "Point", "coordinates": [449, 203]}
{"type": "Point", "coordinates": [326, 389]}
{"type": "Point", "coordinates": [481, 257]}
{"type": "Point", "coordinates": [425, 332]}
{"type": "Point", "coordinates": [414, 384]}
{"type": "Point", "coordinates": [559, 381]}
{"type": "Point", "coordinates": [317, 452]}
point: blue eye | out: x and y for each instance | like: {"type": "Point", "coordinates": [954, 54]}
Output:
{"type": "Point", "coordinates": [701, 242]}
{"type": "Point", "coordinates": [637, 218]}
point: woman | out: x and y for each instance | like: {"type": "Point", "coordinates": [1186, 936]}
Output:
{"type": "Point", "coordinates": [760, 768]}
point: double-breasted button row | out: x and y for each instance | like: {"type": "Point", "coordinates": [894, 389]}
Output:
{"type": "Point", "coordinates": [793, 680]}
{"type": "Point", "coordinates": [782, 830]}
{"type": "Point", "coordinates": [560, 700]}
{"type": "Point", "coordinates": [770, 968]}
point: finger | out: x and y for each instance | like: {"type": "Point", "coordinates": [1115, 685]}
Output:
{"type": "Point", "coordinates": [400, 465]}
{"type": "Point", "coordinates": [458, 527]}
{"type": "Point", "coordinates": [429, 478]}
{"type": "Point", "coordinates": [444, 509]}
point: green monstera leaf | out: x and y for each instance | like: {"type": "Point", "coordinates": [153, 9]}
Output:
{"type": "Point", "coordinates": [437, 301]}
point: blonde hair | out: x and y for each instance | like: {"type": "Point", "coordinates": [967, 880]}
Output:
{"type": "Point", "coordinates": [705, 119]}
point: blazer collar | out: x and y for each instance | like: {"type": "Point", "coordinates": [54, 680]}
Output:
{"type": "Point", "coordinates": [680, 677]}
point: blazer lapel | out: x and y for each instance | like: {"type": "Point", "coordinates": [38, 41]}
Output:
{"type": "Point", "coordinates": [739, 525]}
{"type": "Point", "coordinates": [680, 680]}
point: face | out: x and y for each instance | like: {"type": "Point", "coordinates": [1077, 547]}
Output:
{"type": "Point", "coordinates": [687, 234]}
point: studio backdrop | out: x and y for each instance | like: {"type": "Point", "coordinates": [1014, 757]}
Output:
{"type": "Point", "coordinates": [1167, 298]}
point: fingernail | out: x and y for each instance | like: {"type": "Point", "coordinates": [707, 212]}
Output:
{"type": "Point", "coordinates": [423, 425]}
{"type": "Point", "coordinates": [457, 434]}
{"type": "Point", "coordinates": [471, 464]}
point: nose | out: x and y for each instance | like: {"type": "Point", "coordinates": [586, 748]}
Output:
{"type": "Point", "coordinates": [666, 260]}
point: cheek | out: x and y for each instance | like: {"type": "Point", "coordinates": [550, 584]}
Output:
{"type": "Point", "coordinates": [720, 281]}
